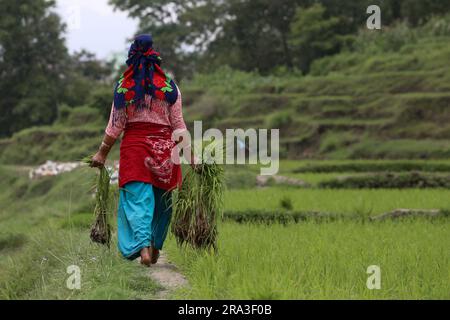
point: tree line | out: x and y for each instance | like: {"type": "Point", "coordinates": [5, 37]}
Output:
{"type": "Point", "coordinates": [37, 74]}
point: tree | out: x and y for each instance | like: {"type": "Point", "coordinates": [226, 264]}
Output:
{"type": "Point", "coordinates": [162, 19]}
{"type": "Point", "coordinates": [411, 11]}
{"type": "Point", "coordinates": [417, 12]}
{"type": "Point", "coordinates": [204, 34]}
{"type": "Point", "coordinates": [258, 31]}
{"type": "Point", "coordinates": [313, 35]}
{"type": "Point", "coordinates": [83, 74]}
{"type": "Point", "coordinates": [32, 55]}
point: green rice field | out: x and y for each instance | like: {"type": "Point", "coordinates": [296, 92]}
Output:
{"type": "Point", "coordinates": [327, 260]}
{"type": "Point", "coordinates": [322, 261]}
{"type": "Point", "coordinates": [44, 226]}
{"type": "Point", "coordinates": [365, 202]}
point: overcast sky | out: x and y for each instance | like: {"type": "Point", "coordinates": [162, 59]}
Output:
{"type": "Point", "coordinates": [93, 25]}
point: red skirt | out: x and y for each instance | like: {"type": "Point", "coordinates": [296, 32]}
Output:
{"type": "Point", "coordinates": [146, 156]}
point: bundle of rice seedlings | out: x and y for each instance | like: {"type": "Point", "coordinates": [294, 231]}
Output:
{"type": "Point", "coordinates": [198, 205]}
{"type": "Point", "coordinates": [101, 228]}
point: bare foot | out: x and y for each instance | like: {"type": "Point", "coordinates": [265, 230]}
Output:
{"type": "Point", "coordinates": [145, 257]}
{"type": "Point", "coordinates": [154, 254]}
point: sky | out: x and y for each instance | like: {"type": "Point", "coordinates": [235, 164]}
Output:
{"type": "Point", "coordinates": [94, 25]}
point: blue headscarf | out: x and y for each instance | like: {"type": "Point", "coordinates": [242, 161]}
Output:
{"type": "Point", "coordinates": [143, 76]}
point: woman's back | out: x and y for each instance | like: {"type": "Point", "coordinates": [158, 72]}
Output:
{"type": "Point", "coordinates": [156, 111]}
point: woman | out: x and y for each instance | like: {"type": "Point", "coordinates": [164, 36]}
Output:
{"type": "Point", "coordinates": [147, 109]}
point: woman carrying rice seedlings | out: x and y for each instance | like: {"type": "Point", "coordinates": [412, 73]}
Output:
{"type": "Point", "coordinates": [147, 109]}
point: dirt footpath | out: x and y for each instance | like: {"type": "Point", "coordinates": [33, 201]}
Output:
{"type": "Point", "coordinates": [167, 276]}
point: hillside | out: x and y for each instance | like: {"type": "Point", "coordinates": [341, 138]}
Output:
{"type": "Point", "coordinates": [374, 102]}
{"type": "Point", "coordinates": [76, 134]}
{"type": "Point", "coordinates": [387, 97]}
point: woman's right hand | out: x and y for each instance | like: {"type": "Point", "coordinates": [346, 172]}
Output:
{"type": "Point", "coordinates": [98, 160]}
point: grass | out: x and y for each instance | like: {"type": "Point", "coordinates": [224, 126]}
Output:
{"type": "Point", "coordinates": [327, 259]}
{"type": "Point", "coordinates": [321, 261]}
{"type": "Point", "coordinates": [365, 202]}
{"type": "Point", "coordinates": [101, 229]}
{"type": "Point", "coordinates": [371, 166]}
{"type": "Point", "coordinates": [45, 228]}
{"type": "Point", "coordinates": [315, 178]}
{"type": "Point", "coordinates": [389, 180]}
{"type": "Point", "coordinates": [198, 206]}
{"type": "Point", "coordinates": [39, 271]}
{"type": "Point", "coordinates": [70, 138]}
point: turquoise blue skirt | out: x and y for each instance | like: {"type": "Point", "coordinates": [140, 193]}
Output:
{"type": "Point", "coordinates": [144, 216]}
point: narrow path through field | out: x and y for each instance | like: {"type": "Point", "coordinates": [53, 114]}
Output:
{"type": "Point", "coordinates": [168, 276]}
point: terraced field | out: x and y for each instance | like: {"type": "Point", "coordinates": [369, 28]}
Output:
{"type": "Point", "coordinates": [45, 223]}
{"type": "Point", "coordinates": [379, 115]}
{"type": "Point", "coordinates": [367, 123]}
{"type": "Point", "coordinates": [264, 255]}
{"type": "Point", "coordinates": [357, 105]}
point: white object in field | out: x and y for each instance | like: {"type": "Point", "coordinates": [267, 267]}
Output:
{"type": "Point", "coordinates": [52, 168]}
